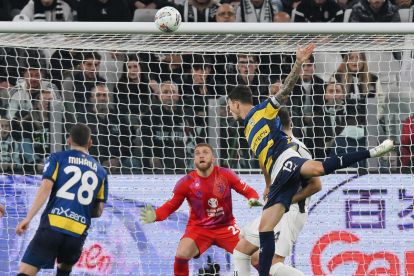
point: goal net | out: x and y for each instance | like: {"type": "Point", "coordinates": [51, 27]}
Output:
{"type": "Point", "coordinates": [150, 98]}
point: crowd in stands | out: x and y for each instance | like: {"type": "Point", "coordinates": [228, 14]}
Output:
{"type": "Point", "coordinates": [210, 10]}
{"type": "Point", "coordinates": [148, 110]}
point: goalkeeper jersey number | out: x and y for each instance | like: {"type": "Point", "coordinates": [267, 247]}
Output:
{"type": "Point", "coordinates": [79, 182]}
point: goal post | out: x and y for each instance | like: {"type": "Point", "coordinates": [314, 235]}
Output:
{"type": "Point", "coordinates": [150, 97]}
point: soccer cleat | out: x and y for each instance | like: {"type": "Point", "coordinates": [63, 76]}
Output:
{"type": "Point", "coordinates": [382, 149]}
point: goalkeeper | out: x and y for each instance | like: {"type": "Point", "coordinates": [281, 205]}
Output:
{"type": "Point", "coordinates": [208, 192]}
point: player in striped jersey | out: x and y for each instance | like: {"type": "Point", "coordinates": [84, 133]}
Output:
{"type": "Point", "coordinates": [283, 167]}
{"type": "Point", "coordinates": [77, 187]}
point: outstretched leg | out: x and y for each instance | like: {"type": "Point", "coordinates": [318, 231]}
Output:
{"type": "Point", "coordinates": [313, 168]}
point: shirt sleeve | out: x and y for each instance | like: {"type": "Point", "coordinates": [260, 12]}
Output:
{"type": "Point", "coordinates": [169, 207]}
{"type": "Point", "coordinates": [103, 191]}
{"type": "Point", "coordinates": [51, 168]}
{"type": "Point", "coordinates": [240, 186]}
{"type": "Point", "coordinates": [275, 103]}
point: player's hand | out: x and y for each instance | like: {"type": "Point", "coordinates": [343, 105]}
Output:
{"type": "Point", "coordinates": [22, 226]}
{"type": "Point", "coordinates": [253, 202]}
{"type": "Point", "coordinates": [148, 214]}
{"type": "Point", "coordinates": [303, 54]}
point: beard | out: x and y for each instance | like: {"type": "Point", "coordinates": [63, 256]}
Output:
{"type": "Point", "coordinates": [102, 108]}
{"type": "Point", "coordinates": [204, 166]}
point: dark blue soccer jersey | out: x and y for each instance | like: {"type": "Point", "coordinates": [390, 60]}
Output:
{"type": "Point", "coordinates": [79, 181]}
{"type": "Point", "coordinates": [264, 133]}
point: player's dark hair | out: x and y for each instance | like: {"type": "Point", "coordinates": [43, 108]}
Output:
{"type": "Point", "coordinates": [284, 117]}
{"type": "Point", "coordinates": [89, 55]}
{"type": "Point", "coordinates": [80, 134]}
{"type": "Point", "coordinates": [242, 94]}
{"type": "Point", "coordinates": [311, 59]}
{"type": "Point", "coordinates": [199, 145]}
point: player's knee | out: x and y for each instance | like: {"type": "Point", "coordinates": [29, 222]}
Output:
{"type": "Point", "coordinates": [185, 253]}
{"type": "Point", "coordinates": [318, 169]}
{"type": "Point", "coordinates": [278, 259]}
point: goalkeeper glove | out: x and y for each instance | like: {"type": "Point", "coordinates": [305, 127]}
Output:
{"type": "Point", "coordinates": [253, 202]}
{"type": "Point", "coordinates": [148, 214]}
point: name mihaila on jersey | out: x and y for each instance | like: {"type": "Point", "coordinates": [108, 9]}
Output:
{"type": "Point", "coordinates": [263, 131]}
{"type": "Point", "coordinates": [79, 182]}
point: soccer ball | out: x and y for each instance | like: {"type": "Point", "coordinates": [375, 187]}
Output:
{"type": "Point", "coordinates": [168, 19]}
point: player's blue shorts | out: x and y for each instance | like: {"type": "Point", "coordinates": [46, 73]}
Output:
{"type": "Point", "coordinates": [48, 245]}
{"type": "Point", "coordinates": [286, 183]}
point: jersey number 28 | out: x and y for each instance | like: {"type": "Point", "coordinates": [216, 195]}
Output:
{"type": "Point", "coordinates": [89, 182]}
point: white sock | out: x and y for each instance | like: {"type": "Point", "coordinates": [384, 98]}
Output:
{"type": "Point", "coordinates": [280, 269]}
{"type": "Point", "coordinates": [241, 263]}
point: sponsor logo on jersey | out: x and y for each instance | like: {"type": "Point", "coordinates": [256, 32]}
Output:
{"type": "Point", "coordinates": [69, 214]}
{"type": "Point", "coordinates": [213, 202]}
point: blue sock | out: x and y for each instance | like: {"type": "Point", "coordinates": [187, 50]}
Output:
{"type": "Point", "coordinates": [267, 250]}
{"type": "Point", "coordinates": [342, 161]}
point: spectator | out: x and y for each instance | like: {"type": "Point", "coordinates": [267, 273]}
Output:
{"type": "Point", "coordinates": [165, 133]}
{"type": "Point", "coordinates": [407, 143]}
{"type": "Point", "coordinates": [281, 17]}
{"type": "Point", "coordinates": [77, 89]}
{"type": "Point", "coordinates": [112, 134]}
{"type": "Point", "coordinates": [256, 11]}
{"type": "Point", "coordinates": [306, 104]}
{"type": "Point", "coordinates": [403, 4]}
{"type": "Point", "coordinates": [247, 74]}
{"type": "Point", "coordinates": [132, 93]}
{"type": "Point", "coordinates": [319, 11]}
{"type": "Point", "coordinates": [111, 67]}
{"type": "Point", "coordinates": [33, 130]}
{"type": "Point", "coordinates": [4, 93]}
{"type": "Point", "coordinates": [169, 67]}
{"type": "Point", "coordinates": [198, 10]}
{"type": "Point", "coordinates": [104, 10]}
{"type": "Point", "coordinates": [62, 63]}
{"type": "Point", "coordinates": [289, 5]}
{"type": "Point", "coordinates": [360, 84]}
{"type": "Point", "coordinates": [196, 93]}
{"type": "Point", "coordinates": [47, 10]}
{"type": "Point", "coordinates": [10, 158]}
{"type": "Point", "coordinates": [27, 89]}
{"type": "Point", "coordinates": [333, 121]}
{"type": "Point", "coordinates": [226, 13]}
{"type": "Point", "coordinates": [374, 11]}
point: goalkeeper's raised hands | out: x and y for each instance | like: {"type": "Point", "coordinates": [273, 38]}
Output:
{"type": "Point", "coordinates": [148, 214]}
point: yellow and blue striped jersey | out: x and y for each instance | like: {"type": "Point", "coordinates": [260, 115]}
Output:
{"type": "Point", "coordinates": [264, 134]}
{"type": "Point", "coordinates": [79, 181]}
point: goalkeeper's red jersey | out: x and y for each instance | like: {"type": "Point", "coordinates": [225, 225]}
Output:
{"type": "Point", "coordinates": [209, 198]}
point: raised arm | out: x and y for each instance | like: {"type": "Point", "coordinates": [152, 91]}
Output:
{"type": "Point", "coordinates": [302, 54]}
{"type": "Point", "coordinates": [149, 215]}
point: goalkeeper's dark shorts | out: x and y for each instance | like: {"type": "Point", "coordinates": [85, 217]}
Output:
{"type": "Point", "coordinates": [49, 246]}
{"type": "Point", "coordinates": [286, 184]}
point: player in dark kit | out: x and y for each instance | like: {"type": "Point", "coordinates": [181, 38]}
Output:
{"type": "Point", "coordinates": [278, 156]}
{"type": "Point", "coordinates": [208, 192]}
{"type": "Point", "coordinates": [78, 188]}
